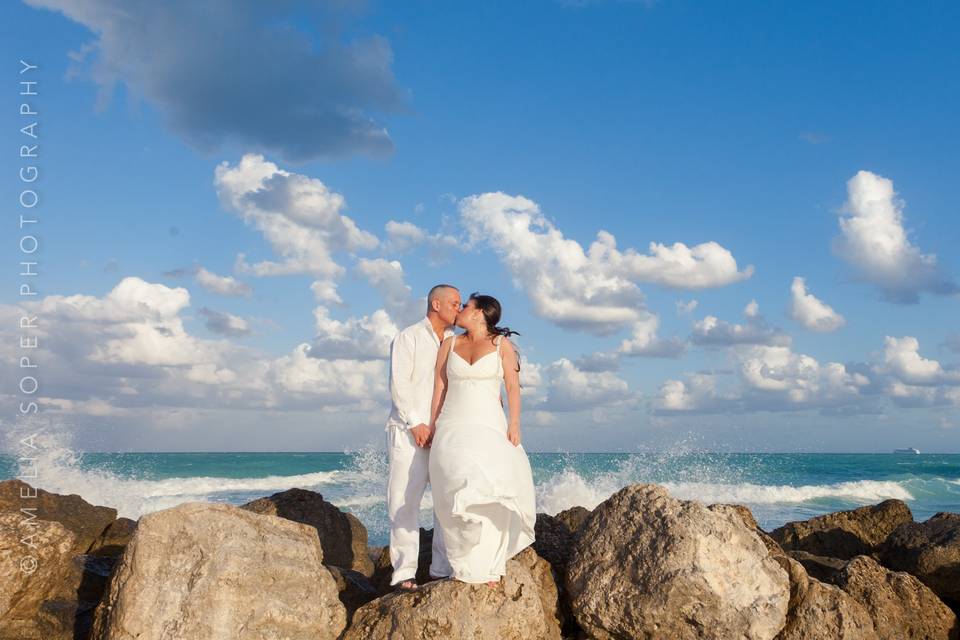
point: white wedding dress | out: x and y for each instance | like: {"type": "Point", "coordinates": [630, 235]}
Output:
{"type": "Point", "coordinates": [482, 484]}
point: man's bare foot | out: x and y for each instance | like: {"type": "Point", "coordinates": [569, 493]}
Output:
{"type": "Point", "coordinates": [493, 583]}
{"type": "Point", "coordinates": [407, 585]}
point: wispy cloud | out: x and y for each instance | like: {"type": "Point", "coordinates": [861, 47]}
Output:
{"type": "Point", "coordinates": [812, 137]}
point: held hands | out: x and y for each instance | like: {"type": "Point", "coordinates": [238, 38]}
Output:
{"type": "Point", "coordinates": [513, 434]}
{"type": "Point", "coordinates": [421, 434]}
{"type": "Point", "coordinates": [433, 431]}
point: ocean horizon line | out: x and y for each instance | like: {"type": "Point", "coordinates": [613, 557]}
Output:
{"type": "Point", "coordinates": [659, 451]}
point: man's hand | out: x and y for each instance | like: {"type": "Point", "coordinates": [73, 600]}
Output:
{"type": "Point", "coordinates": [421, 433]}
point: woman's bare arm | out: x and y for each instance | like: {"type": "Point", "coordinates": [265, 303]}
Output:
{"type": "Point", "coordinates": [511, 380]}
{"type": "Point", "coordinates": [439, 386]}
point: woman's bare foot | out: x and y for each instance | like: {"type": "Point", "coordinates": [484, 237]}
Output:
{"type": "Point", "coordinates": [493, 583]}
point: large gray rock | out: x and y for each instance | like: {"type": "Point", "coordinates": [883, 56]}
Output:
{"type": "Point", "coordinates": [383, 570]}
{"type": "Point", "coordinates": [354, 589]}
{"type": "Point", "coordinates": [646, 565]}
{"type": "Point", "coordinates": [544, 577]}
{"type": "Point", "coordinates": [826, 612]}
{"type": "Point", "coordinates": [929, 550]}
{"type": "Point", "coordinates": [820, 611]}
{"type": "Point", "coordinates": [114, 539]}
{"type": "Point", "coordinates": [899, 604]}
{"type": "Point", "coordinates": [742, 510]}
{"type": "Point", "coordinates": [57, 601]}
{"type": "Point", "coordinates": [35, 585]}
{"type": "Point", "coordinates": [85, 520]}
{"type": "Point", "coordinates": [450, 609]}
{"type": "Point", "coordinates": [342, 535]}
{"type": "Point", "coordinates": [554, 541]}
{"type": "Point", "coordinates": [212, 571]}
{"type": "Point", "coordinates": [574, 517]}
{"type": "Point", "coordinates": [858, 598]}
{"type": "Point", "coordinates": [844, 534]}
{"type": "Point", "coordinates": [822, 568]}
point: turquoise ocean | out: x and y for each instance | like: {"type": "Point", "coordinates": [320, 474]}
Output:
{"type": "Point", "coordinates": [778, 487]}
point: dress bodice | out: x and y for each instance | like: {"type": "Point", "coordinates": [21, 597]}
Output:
{"type": "Point", "coordinates": [474, 387]}
{"type": "Point", "coordinates": [487, 366]}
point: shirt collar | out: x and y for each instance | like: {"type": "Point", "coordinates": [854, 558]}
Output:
{"type": "Point", "coordinates": [447, 332]}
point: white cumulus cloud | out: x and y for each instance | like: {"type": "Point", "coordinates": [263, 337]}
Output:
{"type": "Point", "coordinates": [712, 331]}
{"type": "Point", "coordinates": [594, 290]}
{"type": "Point", "coordinates": [811, 312]}
{"type": "Point", "coordinates": [301, 219]}
{"type": "Point", "coordinates": [874, 241]}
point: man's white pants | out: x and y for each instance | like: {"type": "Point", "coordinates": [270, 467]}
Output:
{"type": "Point", "coordinates": [409, 475]}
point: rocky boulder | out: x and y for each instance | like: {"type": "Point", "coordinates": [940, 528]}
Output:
{"type": "Point", "coordinates": [342, 535]}
{"type": "Point", "coordinates": [212, 571]}
{"type": "Point", "coordinates": [929, 550]}
{"type": "Point", "coordinates": [826, 612]}
{"type": "Point", "coordinates": [844, 534]}
{"type": "Point", "coordinates": [574, 517]}
{"type": "Point", "coordinates": [899, 604]}
{"type": "Point", "coordinates": [646, 565]}
{"type": "Point", "coordinates": [821, 568]}
{"type": "Point", "coordinates": [553, 541]}
{"type": "Point", "coordinates": [354, 589]}
{"type": "Point", "coordinates": [383, 569]}
{"type": "Point", "coordinates": [546, 582]}
{"type": "Point", "coordinates": [448, 609]}
{"type": "Point", "coordinates": [819, 611]}
{"type": "Point", "coordinates": [742, 510]}
{"type": "Point", "coordinates": [112, 541]}
{"type": "Point", "coordinates": [872, 602]}
{"type": "Point", "coordinates": [35, 598]}
{"type": "Point", "coordinates": [83, 519]}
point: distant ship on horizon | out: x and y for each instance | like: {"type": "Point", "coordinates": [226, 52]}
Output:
{"type": "Point", "coordinates": [907, 450]}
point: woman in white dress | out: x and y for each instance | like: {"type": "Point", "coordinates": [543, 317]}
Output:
{"type": "Point", "coordinates": [480, 476]}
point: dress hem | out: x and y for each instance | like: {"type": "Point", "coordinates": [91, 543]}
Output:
{"type": "Point", "coordinates": [468, 496]}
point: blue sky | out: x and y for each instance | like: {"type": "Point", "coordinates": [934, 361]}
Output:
{"type": "Point", "coordinates": [757, 144]}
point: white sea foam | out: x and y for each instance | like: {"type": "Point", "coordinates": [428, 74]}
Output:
{"type": "Point", "coordinates": [133, 498]}
{"type": "Point", "coordinates": [361, 487]}
{"type": "Point", "coordinates": [866, 491]}
{"type": "Point", "coordinates": [59, 470]}
{"type": "Point", "coordinates": [569, 488]}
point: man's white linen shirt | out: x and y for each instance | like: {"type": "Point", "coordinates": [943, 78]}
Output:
{"type": "Point", "coordinates": [413, 361]}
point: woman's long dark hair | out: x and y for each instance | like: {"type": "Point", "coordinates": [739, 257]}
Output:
{"type": "Point", "coordinates": [490, 307]}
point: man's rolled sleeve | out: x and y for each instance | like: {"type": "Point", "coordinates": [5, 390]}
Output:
{"type": "Point", "coordinates": [401, 373]}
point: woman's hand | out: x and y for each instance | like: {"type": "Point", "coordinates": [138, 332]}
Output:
{"type": "Point", "coordinates": [433, 430]}
{"type": "Point", "coordinates": [513, 434]}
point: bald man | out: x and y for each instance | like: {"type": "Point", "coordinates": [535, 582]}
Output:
{"type": "Point", "coordinates": [413, 359]}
